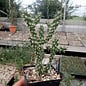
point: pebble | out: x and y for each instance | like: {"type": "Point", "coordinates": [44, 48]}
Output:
{"type": "Point", "coordinates": [32, 75]}
{"type": "Point", "coordinates": [6, 73]}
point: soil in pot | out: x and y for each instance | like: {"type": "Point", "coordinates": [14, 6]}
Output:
{"type": "Point", "coordinates": [52, 78]}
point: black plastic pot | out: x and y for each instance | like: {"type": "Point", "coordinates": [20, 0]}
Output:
{"type": "Point", "coordinates": [79, 76]}
{"type": "Point", "coordinates": [41, 83]}
{"type": "Point", "coordinates": [45, 83]}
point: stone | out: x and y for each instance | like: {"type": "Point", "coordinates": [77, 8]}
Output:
{"type": "Point", "coordinates": [6, 73]}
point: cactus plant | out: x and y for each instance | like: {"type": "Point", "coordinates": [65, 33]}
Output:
{"type": "Point", "coordinates": [37, 41]}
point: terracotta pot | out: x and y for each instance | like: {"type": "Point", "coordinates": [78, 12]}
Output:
{"type": "Point", "coordinates": [12, 29]}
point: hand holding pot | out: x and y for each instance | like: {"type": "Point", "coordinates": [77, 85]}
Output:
{"type": "Point", "coordinates": [21, 82]}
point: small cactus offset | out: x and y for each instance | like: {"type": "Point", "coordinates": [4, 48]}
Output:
{"type": "Point", "coordinates": [37, 41]}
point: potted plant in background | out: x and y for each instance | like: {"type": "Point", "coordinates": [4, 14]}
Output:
{"type": "Point", "coordinates": [74, 71]}
{"type": "Point", "coordinates": [72, 65]}
{"type": "Point", "coordinates": [12, 16]}
{"type": "Point", "coordinates": [37, 41]}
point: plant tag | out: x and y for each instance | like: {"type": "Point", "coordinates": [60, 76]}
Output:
{"type": "Point", "coordinates": [45, 61]}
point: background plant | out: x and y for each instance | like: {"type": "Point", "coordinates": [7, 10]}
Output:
{"type": "Point", "coordinates": [69, 80]}
{"type": "Point", "coordinates": [17, 56]}
{"type": "Point", "coordinates": [48, 8]}
{"type": "Point", "coordinates": [72, 65]}
{"type": "Point", "coordinates": [84, 17]}
{"type": "Point", "coordinates": [4, 7]}
{"type": "Point", "coordinates": [12, 15]}
{"type": "Point", "coordinates": [69, 8]}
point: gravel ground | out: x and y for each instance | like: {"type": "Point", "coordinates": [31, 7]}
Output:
{"type": "Point", "coordinates": [6, 74]}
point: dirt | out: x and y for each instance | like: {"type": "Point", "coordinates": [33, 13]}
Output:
{"type": "Point", "coordinates": [6, 74]}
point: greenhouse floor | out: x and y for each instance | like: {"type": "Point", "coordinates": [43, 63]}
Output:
{"type": "Point", "coordinates": [6, 74]}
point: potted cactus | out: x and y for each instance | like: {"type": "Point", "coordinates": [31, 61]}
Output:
{"type": "Point", "coordinates": [37, 41]}
{"type": "Point", "coordinates": [12, 16]}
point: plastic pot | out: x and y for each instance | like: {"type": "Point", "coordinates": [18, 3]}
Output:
{"type": "Point", "coordinates": [40, 83]}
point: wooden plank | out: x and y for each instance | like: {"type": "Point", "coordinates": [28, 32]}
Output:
{"type": "Point", "coordinates": [76, 49]}
{"type": "Point", "coordinates": [12, 42]}
{"type": "Point", "coordinates": [70, 48]}
{"type": "Point", "coordinates": [21, 43]}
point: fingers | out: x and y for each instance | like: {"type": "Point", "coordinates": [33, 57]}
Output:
{"type": "Point", "coordinates": [21, 82]}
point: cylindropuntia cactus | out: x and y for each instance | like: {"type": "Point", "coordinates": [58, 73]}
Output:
{"type": "Point", "coordinates": [37, 42]}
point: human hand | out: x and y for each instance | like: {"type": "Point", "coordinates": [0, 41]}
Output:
{"type": "Point", "coordinates": [21, 82]}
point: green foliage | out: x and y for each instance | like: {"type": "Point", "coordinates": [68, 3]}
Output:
{"type": "Point", "coordinates": [37, 42]}
{"type": "Point", "coordinates": [12, 12]}
{"type": "Point", "coordinates": [72, 65]}
{"type": "Point", "coordinates": [4, 7]}
{"type": "Point", "coordinates": [84, 17]}
{"type": "Point", "coordinates": [48, 8]}
{"type": "Point", "coordinates": [17, 7]}
{"type": "Point", "coordinates": [16, 56]}
{"type": "Point", "coordinates": [69, 80]}
{"type": "Point", "coordinates": [69, 8]}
